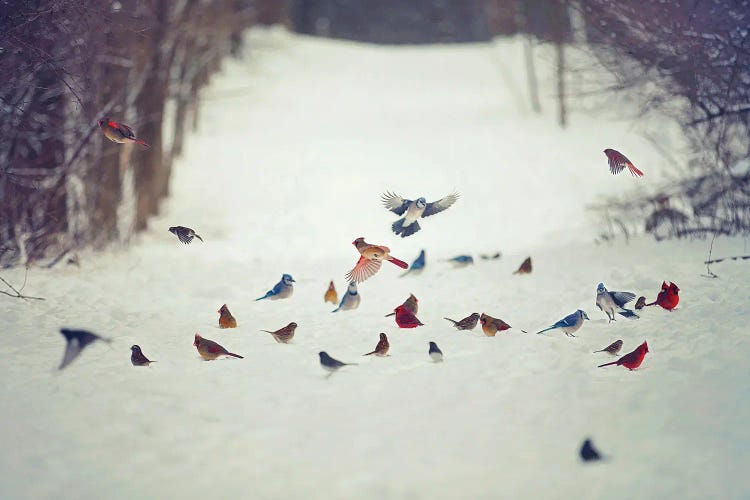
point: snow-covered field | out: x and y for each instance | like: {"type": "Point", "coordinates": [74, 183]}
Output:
{"type": "Point", "coordinates": [297, 143]}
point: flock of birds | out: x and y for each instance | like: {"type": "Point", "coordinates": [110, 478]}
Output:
{"type": "Point", "coordinates": [371, 257]}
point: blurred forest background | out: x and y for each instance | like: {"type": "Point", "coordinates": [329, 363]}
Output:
{"type": "Point", "coordinates": [67, 63]}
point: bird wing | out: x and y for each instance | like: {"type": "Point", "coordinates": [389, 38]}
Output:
{"type": "Point", "coordinates": [440, 205]}
{"type": "Point", "coordinates": [123, 129]}
{"type": "Point", "coordinates": [395, 203]}
{"type": "Point", "coordinates": [568, 320]}
{"type": "Point", "coordinates": [622, 298]}
{"type": "Point", "coordinates": [184, 236]}
{"type": "Point", "coordinates": [277, 288]}
{"type": "Point", "coordinates": [363, 270]}
{"type": "Point", "coordinates": [618, 161]}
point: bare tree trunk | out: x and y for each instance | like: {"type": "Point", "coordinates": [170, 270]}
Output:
{"type": "Point", "coordinates": [531, 74]}
{"type": "Point", "coordinates": [561, 109]}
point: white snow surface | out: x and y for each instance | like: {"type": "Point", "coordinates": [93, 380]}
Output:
{"type": "Point", "coordinates": [296, 144]}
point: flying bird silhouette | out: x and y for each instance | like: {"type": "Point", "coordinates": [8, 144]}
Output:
{"type": "Point", "coordinates": [370, 260]}
{"type": "Point", "coordinates": [617, 162]}
{"type": "Point", "coordinates": [413, 210]}
{"type": "Point", "coordinates": [75, 342]}
{"type": "Point", "coordinates": [184, 234]}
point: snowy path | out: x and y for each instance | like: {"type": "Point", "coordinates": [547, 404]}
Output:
{"type": "Point", "coordinates": [296, 144]}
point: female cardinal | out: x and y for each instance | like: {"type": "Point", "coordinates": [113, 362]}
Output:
{"type": "Point", "coordinates": [284, 335]}
{"type": "Point", "coordinates": [331, 295]}
{"type": "Point", "coordinates": [226, 320]}
{"type": "Point", "coordinates": [411, 304]}
{"type": "Point", "coordinates": [631, 360]}
{"type": "Point", "coordinates": [208, 349]}
{"type": "Point", "coordinates": [669, 296]}
{"type": "Point", "coordinates": [370, 260]}
{"type": "Point", "coordinates": [618, 161]}
{"type": "Point", "coordinates": [119, 132]}
{"type": "Point", "coordinates": [382, 348]}
{"type": "Point", "coordinates": [405, 318]}
{"type": "Point", "coordinates": [490, 325]}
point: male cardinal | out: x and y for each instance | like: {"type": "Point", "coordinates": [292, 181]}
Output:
{"type": "Point", "coordinates": [669, 296]}
{"type": "Point", "coordinates": [138, 358]}
{"type": "Point", "coordinates": [631, 360]}
{"type": "Point", "coordinates": [411, 304]}
{"type": "Point", "coordinates": [618, 161]}
{"type": "Point", "coordinates": [413, 210]}
{"type": "Point", "coordinates": [371, 257]}
{"type": "Point", "coordinates": [226, 320]}
{"type": "Point", "coordinates": [468, 323]}
{"type": "Point", "coordinates": [284, 335]}
{"type": "Point", "coordinates": [119, 132]}
{"type": "Point", "coordinates": [331, 295]}
{"type": "Point", "coordinates": [405, 318]}
{"type": "Point", "coordinates": [208, 349]}
{"type": "Point", "coordinates": [382, 348]}
{"type": "Point", "coordinates": [490, 325]}
{"type": "Point", "coordinates": [525, 267]}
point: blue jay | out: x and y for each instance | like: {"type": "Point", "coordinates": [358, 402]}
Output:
{"type": "Point", "coordinates": [461, 260]}
{"type": "Point", "coordinates": [569, 324]}
{"type": "Point", "coordinates": [435, 353]}
{"type": "Point", "coordinates": [417, 266]}
{"type": "Point", "coordinates": [612, 302]}
{"type": "Point", "coordinates": [412, 210]}
{"type": "Point", "coordinates": [281, 290]}
{"type": "Point", "coordinates": [350, 300]}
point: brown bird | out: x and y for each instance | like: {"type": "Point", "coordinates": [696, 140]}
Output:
{"type": "Point", "coordinates": [331, 295]}
{"type": "Point", "coordinates": [525, 267]}
{"type": "Point", "coordinates": [382, 348]}
{"type": "Point", "coordinates": [119, 132]}
{"type": "Point", "coordinates": [468, 323]}
{"type": "Point", "coordinates": [138, 358]}
{"type": "Point", "coordinates": [612, 348]}
{"type": "Point", "coordinates": [283, 335]}
{"type": "Point", "coordinates": [370, 260]}
{"type": "Point", "coordinates": [226, 320]}
{"type": "Point", "coordinates": [208, 349]}
{"type": "Point", "coordinates": [490, 325]}
{"type": "Point", "coordinates": [641, 302]}
{"type": "Point", "coordinates": [411, 304]}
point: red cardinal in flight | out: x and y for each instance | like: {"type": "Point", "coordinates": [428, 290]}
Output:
{"type": "Point", "coordinates": [405, 318]}
{"type": "Point", "coordinates": [669, 296]}
{"type": "Point", "coordinates": [119, 132]}
{"type": "Point", "coordinates": [618, 161]}
{"type": "Point", "coordinates": [631, 360]}
{"type": "Point", "coordinates": [370, 260]}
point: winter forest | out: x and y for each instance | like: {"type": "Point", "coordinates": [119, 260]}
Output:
{"type": "Point", "coordinates": [357, 249]}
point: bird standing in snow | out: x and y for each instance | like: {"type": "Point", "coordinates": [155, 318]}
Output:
{"type": "Point", "coordinates": [330, 364]}
{"type": "Point", "coordinates": [382, 348]}
{"type": "Point", "coordinates": [417, 266]}
{"type": "Point", "coordinates": [669, 296]}
{"type": "Point", "coordinates": [618, 161]}
{"type": "Point", "coordinates": [468, 323]}
{"type": "Point", "coordinates": [281, 290]}
{"type": "Point", "coordinates": [284, 335]}
{"type": "Point", "coordinates": [631, 360]}
{"type": "Point", "coordinates": [614, 302]}
{"type": "Point", "coordinates": [490, 325]}
{"type": "Point", "coordinates": [209, 350]}
{"type": "Point", "coordinates": [331, 295]}
{"type": "Point", "coordinates": [184, 234]}
{"type": "Point", "coordinates": [569, 324]}
{"type": "Point", "coordinates": [119, 132]}
{"type": "Point", "coordinates": [435, 353]}
{"type": "Point", "coordinates": [413, 210]}
{"type": "Point", "coordinates": [525, 267]}
{"type": "Point", "coordinates": [75, 342]}
{"type": "Point", "coordinates": [411, 304]}
{"type": "Point", "coordinates": [461, 260]}
{"type": "Point", "coordinates": [612, 348]}
{"type": "Point", "coordinates": [226, 320]}
{"type": "Point", "coordinates": [138, 358]}
{"type": "Point", "coordinates": [350, 300]}
{"type": "Point", "coordinates": [588, 452]}
{"type": "Point", "coordinates": [405, 318]}
{"type": "Point", "coordinates": [370, 260]}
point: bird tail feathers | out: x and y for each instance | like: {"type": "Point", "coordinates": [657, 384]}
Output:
{"type": "Point", "coordinates": [607, 364]}
{"type": "Point", "coordinates": [400, 263]}
{"type": "Point", "coordinates": [235, 355]}
{"type": "Point", "coordinates": [455, 323]}
{"type": "Point", "coordinates": [545, 330]}
{"type": "Point", "coordinates": [144, 145]}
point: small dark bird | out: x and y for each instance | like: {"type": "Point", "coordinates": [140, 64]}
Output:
{"type": "Point", "coordinates": [641, 302]}
{"type": "Point", "coordinates": [525, 267]}
{"type": "Point", "coordinates": [468, 323]}
{"type": "Point", "coordinates": [284, 335]}
{"type": "Point", "coordinates": [588, 452]}
{"type": "Point", "coordinates": [76, 341]}
{"type": "Point", "coordinates": [329, 364]}
{"type": "Point", "coordinates": [435, 353]}
{"type": "Point", "coordinates": [185, 234]}
{"type": "Point", "coordinates": [612, 348]}
{"type": "Point", "coordinates": [491, 257]}
{"type": "Point", "coordinates": [226, 320]}
{"type": "Point", "coordinates": [382, 348]}
{"type": "Point", "coordinates": [119, 132]}
{"type": "Point", "coordinates": [138, 358]}
{"type": "Point", "coordinates": [208, 349]}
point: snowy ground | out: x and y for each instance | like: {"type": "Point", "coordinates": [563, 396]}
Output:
{"type": "Point", "coordinates": [297, 143]}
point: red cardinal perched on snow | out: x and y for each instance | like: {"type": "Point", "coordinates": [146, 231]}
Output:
{"type": "Point", "coordinates": [406, 319]}
{"type": "Point", "coordinates": [631, 360]}
{"type": "Point", "coordinates": [119, 132]}
{"type": "Point", "coordinates": [618, 161]}
{"type": "Point", "coordinates": [669, 296]}
{"type": "Point", "coordinates": [370, 260]}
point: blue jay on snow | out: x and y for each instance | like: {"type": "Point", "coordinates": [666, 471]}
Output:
{"type": "Point", "coordinates": [281, 290]}
{"type": "Point", "coordinates": [569, 324]}
{"type": "Point", "coordinates": [614, 302]}
{"type": "Point", "coordinates": [461, 260]}
{"type": "Point", "coordinates": [350, 300]}
{"type": "Point", "coordinates": [412, 210]}
{"type": "Point", "coordinates": [417, 266]}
